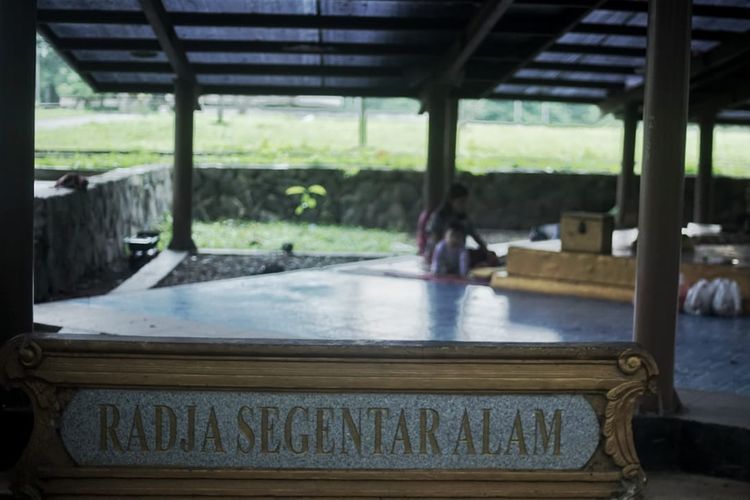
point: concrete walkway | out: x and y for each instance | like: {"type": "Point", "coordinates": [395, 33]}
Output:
{"type": "Point", "coordinates": [382, 300]}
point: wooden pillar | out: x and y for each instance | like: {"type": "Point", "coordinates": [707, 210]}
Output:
{"type": "Point", "coordinates": [451, 132]}
{"type": "Point", "coordinates": [435, 175]}
{"type": "Point", "coordinates": [702, 196]}
{"type": "Point", "coordinates": [660, 221]}
{"type": "Point", "coordinates": [626, 179]}
{"type": "Point", "coordinates": [182, 187]}
{"type": "Point", "coordinates": [362, 122]}
{"type": "Point", "coordinates": [17, 83]}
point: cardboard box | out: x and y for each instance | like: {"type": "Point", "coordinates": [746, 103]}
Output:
{"type": "Point", "coordinates": [586, 232]}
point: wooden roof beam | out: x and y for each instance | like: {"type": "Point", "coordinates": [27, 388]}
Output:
{"type": "Point", "coordinates": [702, 10]}
{"type": "Point", "coordinates": [450, 68]}
{"type": "Point", "coordinates": [157, 88]}
{"type": "Point", "coordinates": [703, 67]}
{"type": "Point", "coordinates": [509, 96]}
{"type": "Point", "coordinates": [566, 82]}
{"type": "Point", "coordinates": [246, 69]}
{"type": "Point", "coordinates": [170, 43]}
{"type": "Point", "coordinates": [571, 19]}
{"type": "Point", "coordinates": [597, 50]}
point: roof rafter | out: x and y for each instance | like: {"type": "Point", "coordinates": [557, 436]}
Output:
{"type": "Point", "coordinates": [566, 82]}
{"type": "Point", "coordinates": [509, 96]}
{"type": "Point", "coordinates": [597, 50]}
{"type": "Point", "coordinates": [450, 68]}
{"type": "Point", "coordinates": [641, 31]}
{"type": "Point", "coordinates": [702, 67]}
{"type": "Point", "coordinates": [586, 68]}
{"type": "Point", "coordinates": [170, 44]}
{"type": "Point", "coordinates": [702, 10]}
{"type": "Point", "coordinates": [571, 20]}
{"type": "Point", "coordinates": [246, 69]}
{"type": "Point", "coordinates": [264, 90]}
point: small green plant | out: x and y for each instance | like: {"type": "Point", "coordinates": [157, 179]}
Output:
{"type": "Point", "coordinates": [306, 198]}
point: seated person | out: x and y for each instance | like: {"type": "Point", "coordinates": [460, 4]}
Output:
{"type": "Point", "coordinates": [453, 210]}
{"type": "Point", "coordinates": [451, 258]}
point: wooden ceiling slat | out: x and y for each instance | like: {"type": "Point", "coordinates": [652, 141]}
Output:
{"type": "Point", "coordinates": [170, 43]}
{"type": "Point", "coordinates": [567, 83]}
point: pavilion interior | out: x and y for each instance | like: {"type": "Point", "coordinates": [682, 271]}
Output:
{"type": "Point", "coordinates": [437, 51]}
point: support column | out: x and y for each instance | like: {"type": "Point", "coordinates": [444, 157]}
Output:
{"type": "Point", "coordinates": [664, 119]}
{"type": "Point", "coordinates": [626, 179]}
{"type": "Point", "coordinates": [362, 122]}
{"type": "Point", "coordinates": [704, 178]}
{"type": "Point", "coordinates": [451, 133]}
{"type": "Point", "coordinates": [435, 176]}
{"type": "Point", "coordinates": [17, 83]}
{"type": "Point", "coordinates": [182, 187]}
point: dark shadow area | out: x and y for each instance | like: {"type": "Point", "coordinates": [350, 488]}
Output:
{"type": "Point", "coordinates": [16, 424]}
{"type": "Point", "coordinates": [665, 443]}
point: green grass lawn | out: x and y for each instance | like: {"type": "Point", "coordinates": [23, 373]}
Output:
{"type": "Point", "coordinates": [262, 137]}
{"type": "Point", "coordinates": [251, 235]}
{"type": "Point", "coordinates": [51, 113]}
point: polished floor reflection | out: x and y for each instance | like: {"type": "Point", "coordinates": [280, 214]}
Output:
{"type": "Point", "coordinates": [388, 300]}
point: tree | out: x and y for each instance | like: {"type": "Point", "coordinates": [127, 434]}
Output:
{"type": "Point", "coordinates": [56, 78]}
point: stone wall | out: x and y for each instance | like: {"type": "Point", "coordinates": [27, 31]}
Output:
{"type": "Point", "coordinates": [392, 199]}
{"type": "Point", "coordinates": [77, 233]}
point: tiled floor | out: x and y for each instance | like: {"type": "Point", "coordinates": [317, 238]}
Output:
{"type": "Point", "coordinates": [382, 300]}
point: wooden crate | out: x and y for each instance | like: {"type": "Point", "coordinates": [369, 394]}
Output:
{"type": "Point", "coordinates": [586, 232]}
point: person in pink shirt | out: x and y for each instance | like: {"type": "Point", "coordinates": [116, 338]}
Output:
{"type": "Point", "coordinates": [451, 258]}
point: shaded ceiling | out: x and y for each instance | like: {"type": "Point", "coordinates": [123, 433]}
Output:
{"type": "Point", "coordinates": [577, 51]}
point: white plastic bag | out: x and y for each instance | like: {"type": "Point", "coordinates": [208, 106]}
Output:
{"type": "Point", "coordinates": [727, 299]}
{"type": "Point", "coordinates": [699, 297]}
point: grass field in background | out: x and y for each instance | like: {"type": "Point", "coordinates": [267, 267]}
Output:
{"type": "Point", "coordinates": [395, 141]}
{"type": "Point", "coordinates": [269, 236]}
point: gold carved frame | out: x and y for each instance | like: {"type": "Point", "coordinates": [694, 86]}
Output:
{"type": "Point", "coordinates": [50, 368]}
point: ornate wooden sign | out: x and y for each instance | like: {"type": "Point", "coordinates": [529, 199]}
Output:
{"type": "Point", "coordinates": [130, 418]}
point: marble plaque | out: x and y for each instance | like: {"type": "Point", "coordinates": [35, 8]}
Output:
{"type": "Point", "coordinates": [292, 430]}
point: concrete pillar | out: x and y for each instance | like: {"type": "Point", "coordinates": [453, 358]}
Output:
{"type": "Point", "coordinates": [182, 190]}
{"type": "Point", "coordinates": [17, 84]}
{"type": "Point", "coordinates": [626, 179]}
{"type": "Point", "coordinates": [660, 221]}
{"type": "Point", "coordinates": [435, 184]}
{"type": "Point", "coordinates": [704, 178]}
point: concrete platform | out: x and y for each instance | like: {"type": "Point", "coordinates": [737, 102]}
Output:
{"type": "Point", "coordinates": [381, 300]}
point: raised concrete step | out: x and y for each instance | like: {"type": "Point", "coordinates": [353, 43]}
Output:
{"type": "Point", "coordinates": [153, 272]}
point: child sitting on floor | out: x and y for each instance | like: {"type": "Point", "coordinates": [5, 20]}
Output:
{"type": "Point", "coordinates": [451, 258]}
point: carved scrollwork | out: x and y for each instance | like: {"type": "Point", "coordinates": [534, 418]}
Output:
{"type": "Point", "coordinates": [29, 354]}
{"type": "Point", "coordinates": [631, 361]}
{"type": "Point", "coordinates": [621, 401]}
{"type": "Point", "coordinates": [617, 429]}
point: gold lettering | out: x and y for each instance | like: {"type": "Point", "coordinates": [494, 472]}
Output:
{"type": "Point", "coordinates": [378, 414]}
{"type": "Point", "coordinates": [212, 433]}
{"type": "Point", "coordinates": [468, 439]}
{"type": "Point", "coordinates": [245, 430]}
{"type": "Point", "coordinates": [402, 435]}
{"type": "Point", "coordinates": [159, 411]}
{"type": "Point", "coordinates": [516, 436]}
{"type": "Point", "coordinates": [108, 430]}
{"type": "Point", "coordinates": [347, 423]}
{"type": "Point", "coordinates": [541, 427]}
{"type": "Point", "coordinates": [322, 428]}
{"type": "Point", "coordinates": [425, 432]}
{"type": "Point", "coordinates": [187, 444]}
{"type": "Point", "coordinates": [289, 428]}
{"type": "Point", "coordinates": [486, 431]}
{"type": "Point", "coordinates": [137, 432]}
{"type": "Point", "coordinates": [267, 414]}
